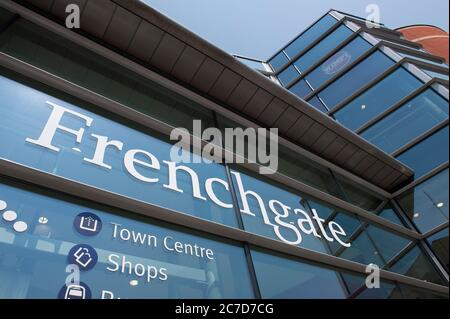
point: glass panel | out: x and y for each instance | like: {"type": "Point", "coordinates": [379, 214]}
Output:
{"type": "Point", "coordinates": [338, 62]}
{"type": "Point", "coordinates": [313, 55]}
{"type": "Point", "coordinates": [427, 204]}
{"type": "Point", "coordinates": [416, 264]}
{"type": "Point", "coordinates": [283, 278]}
{"type": "Point", "coordinates": [369, 244]}
{"type": "Point", "coordinates": [137, 165]}
{"type": "Point", "coordinates": [301, 89]}
{"type": "Point", "coordinates": [310, 35]}
{"type": "Point", "coordinates": [360, 75]}
{"type": "Point", "coordinates": [387, 243]}
{"type": "Point", "coordinates": [408, 122]}
{"type": "Point", "coordinates": [410, 292]}
{"type": "Point", "coordinates": [428, 154]}
{"type": "Point", "coordinates": [129, 257]}
{"type": "Point", "coordinates": [314, 101]}
{"type": "Point", "coordinates": [56, 55]}
{"type": "Point", "coordinates": [437, 74]}
{"type": "Point", "coordinates": [377, 99]}
{"type": "Point", "coordinates": [288, 75]}
{"type": "Point", "coordinates": [439, 244]}
{"type": "Point", "coordinates": [359, 195]}
{"type": "Point", "coordinates": [278, 61]}
{"type": "Point", "coordinates": [390, 214]}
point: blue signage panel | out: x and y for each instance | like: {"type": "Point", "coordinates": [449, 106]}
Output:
{"type": "Point", "coordinates": [127, 258]}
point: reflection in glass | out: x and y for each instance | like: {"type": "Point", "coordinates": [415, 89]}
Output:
{"type": "Point", "coordinates": [361, 74]}
{"type": "Point", "coordinates": [378, 98]}
{"type": "Point", "coordinates": [284, 278]}
{"type": "Point", "coordinates": [428, 154]}
{"type": "Point", "coordinates": [338, 61]}
{"type": "Point", "coordinates": [288, 75]}
{"type": "Point", "coordinates": [33, 263]}
{"type": "Point", "coordinates": [416, 264]}
{"type": "Point", "coordinates": [310, 35]}
{"type": "Point", "coordinates": [439, 244]}
{"type": "Point", "coordinates": [427, 204]}
{"type": "Point", "coordinates": [408, 122]}
{"type": "Point", "coordinates": [330, 42]}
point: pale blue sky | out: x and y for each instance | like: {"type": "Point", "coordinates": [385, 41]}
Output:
{"type": "Point", "coordinates": [258, 28]}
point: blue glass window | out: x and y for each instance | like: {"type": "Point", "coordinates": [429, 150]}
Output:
{"type": "Point", "coordinates": [315, 101]}
{"type": "Point", "coordinates": [278, 61]}
{"type": "Point", "coordinates": [338, 62]}
{"type": "Point", "coordinates": [427, 204]}
{"type": "Point", "coordinates": [416, 264]}
{"type": "Point", "coordinates": [439, 244]}
{"type": "Point", "coordinates": [33, 262]}
{"type": "Point", "coordinates": [428, 154]}
{"type": "Point", "coordinates": [378, 98]}
{"type": "Point", "coordinates": [408, 122]}
{"type": "Point", "coordinates": [313, 55]}
{"type": "Point", "coordinates": [288, 75]}
{"type": "Point", "coordinates": [24, 112]}
{"type": "Point", "coordinates": [310, 35]}
{"type": "Point", "coordinates": [282, 278]}
{"type": "Point", "coordinates": [301, 89]}
{"type": "Point", "coordinates": [356, 78]}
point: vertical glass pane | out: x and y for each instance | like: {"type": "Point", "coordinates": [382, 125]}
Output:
{"type": "Point", "coordinates": [315, 101]}
{"type": "Point", "coordinates": [439, 244]}
{"type": "Point", "coordinates": [427, 204]}
{"type": "Point", "coordinates": [338, 62]}
{"type": "Point", "coordinates": [284, 278]}
{"type": "Point", "coordinates": [408, 122]}
{"type": "Point", "coordinates": [359, 195]}
{"type": "Point", "coordinates": [310, 35]}
{"type": "Point", "coordinates": [313, 55]}
{"type": "Point", "coordinates": [301, 89]}
{"type": "Point", "coordinates": [390, 214]}
{"type": "Point", "coordinates": [387, 243]}
{"type": "Point", "coordinates": [360, 75]}
{"type": "Point", "coordinates": [288, 75]}
{"type": "Point", "coordinates": [416, 264]}
{"type": "Point", "coordinates": [428, 154]}
{"type": "Point", "coordinates": [136, 257]}
{"type": "Point", "coordinates": [378, 98]}
{"type": "Point", "coordinates": [278, 61]}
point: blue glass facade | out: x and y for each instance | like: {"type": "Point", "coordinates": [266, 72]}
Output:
{"type": "Point", "coordinates": [364, 82]}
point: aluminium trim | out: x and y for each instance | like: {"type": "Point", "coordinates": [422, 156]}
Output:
{"type": "Point", "coordinates": [322, 60]}
{"type": "Point", "coordinates": [420, 138]}
{"type": "Point", "coordinates": [294, 58]}
{"type": "Point", "coordinates": [435, 230]}
{"type": "Point", "coordinates": [365, 88]}
{"type": "Point", "coordinates": [67, 186]}
{"type": "Point", "coordinates": [139, 69]}
{"type": "Point", "coordinates": [147, 121]}
{"type": "Point", "coordinates": [394, 107]}
{"type": "Point", "coordinates": [298, 35]}
{"type": "Point", "coordinates": [422, 179]}
{"type": "Point", "coordinates": [342, 72]}
{"type": "Point", "coordinates": [419, 54]}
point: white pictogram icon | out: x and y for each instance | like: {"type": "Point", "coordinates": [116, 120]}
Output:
{"type": "Point", "coordinates": [75, 292]}
{"type": "Point", "coordinates": [83, 257]}
{"type": "Point", "coordinates": [88, 223]}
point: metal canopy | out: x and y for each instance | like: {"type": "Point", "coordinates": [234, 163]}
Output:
{"type": "Point", "coordinates": [155, 41]}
